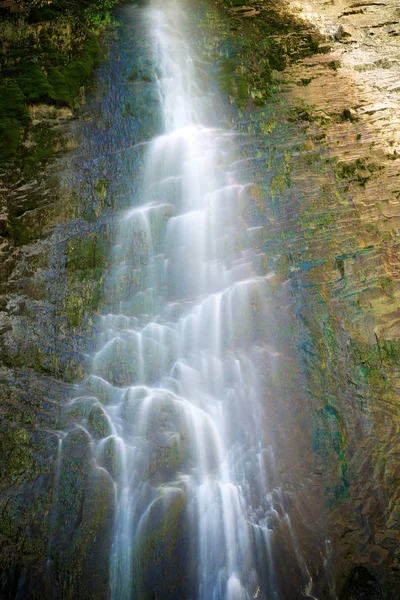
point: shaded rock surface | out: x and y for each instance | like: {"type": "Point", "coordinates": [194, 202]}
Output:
{"type": "Point", "coordinates": [331, 223]}
{"type": "Point", "coordinates": [55, 242]}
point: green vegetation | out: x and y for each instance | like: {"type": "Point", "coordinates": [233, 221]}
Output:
{"type": "Point", "coordinates": [48, 49]}
{"type": "Point", "coordinates": [305, 112]}
{"type": "Point", "coordinates": [17, 457]}
{"type": "Point", "coordinates": [387, 286]}
{"type": "Point", "coordinates": [357, 171]}
{"type": "Point", "coordinates": [329, 440]}
{"type": "Point", "coordinates": [376, 361]}
{"type": "Point", "coordinates": [86, 258]}
{"type": "Point", "coordinates": [13, 117]}
{"type": "Point", "coordinates": [312, 220]}
{"type": "Point", "coordinates": [304, 81]}
{"type": "Point", "coordinates": [249, 52]}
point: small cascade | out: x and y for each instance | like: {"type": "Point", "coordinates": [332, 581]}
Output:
{"type": "Point", "coordinates": [173, 412]}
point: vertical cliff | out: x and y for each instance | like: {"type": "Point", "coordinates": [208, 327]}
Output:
{"type": "Point", "coordinates": [334, 192]}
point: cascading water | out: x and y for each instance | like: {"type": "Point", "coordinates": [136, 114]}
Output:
{"type": "Point", "coordinates": [177, 410]}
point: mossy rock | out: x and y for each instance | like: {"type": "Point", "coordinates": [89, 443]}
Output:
{"type": "Point", "coordinates": [16, 447]}
{"type": "Point", "coordinates": [77, 409]}
{"type": "Point", "coordinates": [93, 540]}
{"type": "Point", "coordinates": [99, 422]}
{"type": "Point", "coordinates": [169, 452]}
{"type": "Point", "coordinates": [81, 554]}
{"type": "Point", "coordinates": [358, 171]}
{"type": "Point", "coordinates": [86, 252]}
{"type": "Point", "coordinates": [49, 57]}
{"type": "Point", "coordinates": [103, 390]}
{"type": "Point", "coordinates": [14, 117]}
{"type": "Point", "coordinates": [162, 549]}
{"type": "Point", "coordinates": [247, 51]}
{"type": "Point", "coordinates": [109, 456]}
{"type": "Point", "coordinates": [116, 364]}
{"type": "Point", "coordinates": [74, 471]}
{"type": "Point", "coordinates": [82, 300]}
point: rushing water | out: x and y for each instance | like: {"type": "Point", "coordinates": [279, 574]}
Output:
{"type": "Point", "coordinates": [180, 404]}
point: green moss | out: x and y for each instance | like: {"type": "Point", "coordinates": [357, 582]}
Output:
{"type": "Point", "coordinates": [85, 263]}
{"type": "Point", "coordinates": [329, 441]}
{"type": "Point", "coordinates": [84, 253]}
{"type": "Point", "coordinates": [10, 134]}
{"type": "Point", "coordinates": [169, 456]}
{"type": "Point", "coordinates": [33, 82]}
{"type": "Point", "coordinates": [375, 363]}
{"type": "Point", "coordinates": [164, 530]}
{"type": "Point", "coordinates": [387, 285]}
{"type": "Point", "coordinates": [81, 300]}
{"type": "Point", "coordinates": [306, 112]}
{"type": "Point", "coordinates": [76, 410]}
{"type": "Point", "coordinates": [371, 228]}
{"type": "Point", "coordinates": [357, 171]}
{"type": "Point", "coordinates": [16, 450]}
{"type": "Point", "coordinates": [14, 117]}
{"type": "Point", "coordinates": [40, 151]}
{"type": "Point", "coordinates": [44, 13]}
{"type": "Point", "coordinates": [312, 220]}
{"type": "Point", "coordinates": [74, 310]}
{"type": "Point", "coordinates": [281, 180]}
{"type": "Point", "coordinates": [46, 55]}
{"type": "Point", "coordinates": [227, 67]}
{"type": "Point", "coordinates": [99, 423]}
{"type": "Point", "coordinates": [101, 189]}
{"type": "Point", "coordinates": [111, 457]}
{"type": "Point", "coordinates": [334, 65]}
{"type": "Point", "coordinates": [164, 535]}
{"type": "Point", "coordinates": [248, 58]}
{"type": "Point", "coordinates": [304, 81]}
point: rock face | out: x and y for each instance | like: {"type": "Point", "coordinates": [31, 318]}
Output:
{"type": "Point", "coordinates": [351, 232]}
{"type": "Point", "coordinates": [323, 156]}
{"type": "Point", "coordinates": [55, 242]}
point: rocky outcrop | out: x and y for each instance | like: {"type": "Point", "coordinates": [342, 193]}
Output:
{"type": "Point", "coordinates": [332, 196]}
{"type": "Point", "coordinates": [55, 248]}
{"type": "Point", "coordinates": [356, 283]}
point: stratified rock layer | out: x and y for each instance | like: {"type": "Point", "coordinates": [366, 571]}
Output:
{"type": "Point", "coordinates": [55, 245]}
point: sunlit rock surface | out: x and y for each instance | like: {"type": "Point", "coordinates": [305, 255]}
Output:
{"type": "Point", "coordinates": [351, 229]}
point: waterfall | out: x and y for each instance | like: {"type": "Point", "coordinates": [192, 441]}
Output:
{"type": "Point", "coordinates": [176, 412]}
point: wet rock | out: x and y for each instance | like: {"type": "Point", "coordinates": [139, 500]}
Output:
{"type": "Point", "coordinates": [75, 468]}
{"type": "Point", "coordinates": [77, 410]}
{"type": "Point", "coordinates": [169, 452]}
{"type": "Point", "coordinates": [99, 423]}
{"type": "Point", "coordinates": [361, 585]}
{"type": "Point", "coordinates": [83, 550]}
{"type": "Point", "coordinates": [3, 225]}
{"type": "Point", "coordinates": [110, 456]}
{"type": "Point", "coordinates": [163, 544]}
{"type": "Point", "coordinates": [93, 539]}
{"type": "Point", "coordinates": [116, 364]}
{"type": "Point", "coordinates": [132, 403]}
{"type": "Point", "coordinates": [103, 390]}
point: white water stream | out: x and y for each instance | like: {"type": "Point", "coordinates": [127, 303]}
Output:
{"type": "Point", "coordinates": [176, 380]}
